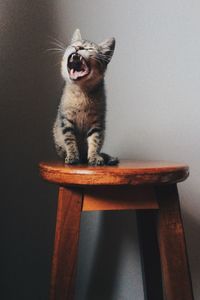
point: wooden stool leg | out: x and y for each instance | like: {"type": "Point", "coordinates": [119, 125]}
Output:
{"type": "Point", "coordinates": [66, 244]}
{"type": "Point", "coordinates": [174, 261]}
{"type": "Point", "coordinates": [146, 221]}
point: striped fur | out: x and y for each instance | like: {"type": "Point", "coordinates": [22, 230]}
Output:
{"type": "Point", "coordinates": [79, 128]}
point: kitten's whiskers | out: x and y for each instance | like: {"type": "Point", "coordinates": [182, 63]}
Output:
{"type": "Point", "coordinates": [58, 46]}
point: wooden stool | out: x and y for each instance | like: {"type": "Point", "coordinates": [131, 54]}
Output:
{"type": "Point", "coordinates": [148, 187]}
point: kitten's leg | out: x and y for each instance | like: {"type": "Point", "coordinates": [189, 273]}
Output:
{"type": "Point", "coordinates": [95, 138]}
{"type": "Point", "coordinates": [72, 153]}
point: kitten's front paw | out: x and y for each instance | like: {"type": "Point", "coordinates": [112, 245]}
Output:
{"type": "Point", "coordinates": [72, 160]}
{"type": "Point", "coordinates": [96, 160]}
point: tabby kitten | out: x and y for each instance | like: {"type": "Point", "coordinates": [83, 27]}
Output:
{"type": "Point", "coordinates": [79, 128]}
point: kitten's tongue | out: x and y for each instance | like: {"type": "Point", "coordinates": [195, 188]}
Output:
{"type": "Point", "coordinates": [78, 74]}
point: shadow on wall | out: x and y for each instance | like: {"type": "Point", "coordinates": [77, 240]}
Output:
{"type": "Point", "coordinates": [106, 261]}
{"type": "Point", "coordinates": [30, 87]}
{"type": "Point", "coordinates": [115, 229]}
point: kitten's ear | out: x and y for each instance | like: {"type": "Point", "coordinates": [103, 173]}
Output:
{"type": "Point", "coordinates": [76, 36]}
{"type": "Point", "coordinates": [107, 48]}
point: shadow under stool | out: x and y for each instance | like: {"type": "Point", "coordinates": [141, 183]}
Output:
{"type": "Point", "coordinates": [147, 187]}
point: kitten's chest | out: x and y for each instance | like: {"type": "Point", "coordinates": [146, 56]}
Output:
{"type": "Point", "coordinates": [85, 115]}
{"type": "Point", "coordinates": [83, 110]}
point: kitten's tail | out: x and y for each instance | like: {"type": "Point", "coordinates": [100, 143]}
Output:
{"type": "Point", "coordinates": [109, 160]}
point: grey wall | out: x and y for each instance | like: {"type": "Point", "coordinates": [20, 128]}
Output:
{"type": "Point", "coordinates": [153, 86]}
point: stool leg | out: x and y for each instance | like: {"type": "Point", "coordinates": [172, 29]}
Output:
{"type": "Point", "coordinates": [174, 261]}
{"type": "Point", "coordinates": [66, 244]}
{"type": "Point", "coordinates": [146, 221]}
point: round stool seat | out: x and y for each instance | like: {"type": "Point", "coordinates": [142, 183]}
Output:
{"type": "Point", "coordinates": [127, 172]}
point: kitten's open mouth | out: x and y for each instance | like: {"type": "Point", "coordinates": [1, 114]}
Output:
{"type": "Point", "coordinates": [77, 66]}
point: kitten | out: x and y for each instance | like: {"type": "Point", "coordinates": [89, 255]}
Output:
{"type": "Point", "coordinates": [79, 128]}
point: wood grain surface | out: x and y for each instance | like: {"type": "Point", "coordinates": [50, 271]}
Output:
{"type": "Point", "coordinates": [127, 172]}
{"type": "Point", "coordinates": [119, 198]}
{"type": "Point", "coordinates": [174, 261]}
{"type": "Point", "coordinates": [66, 244]}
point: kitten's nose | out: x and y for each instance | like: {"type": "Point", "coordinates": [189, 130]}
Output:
{"type": "Point", "coordinates": [78, 48]}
